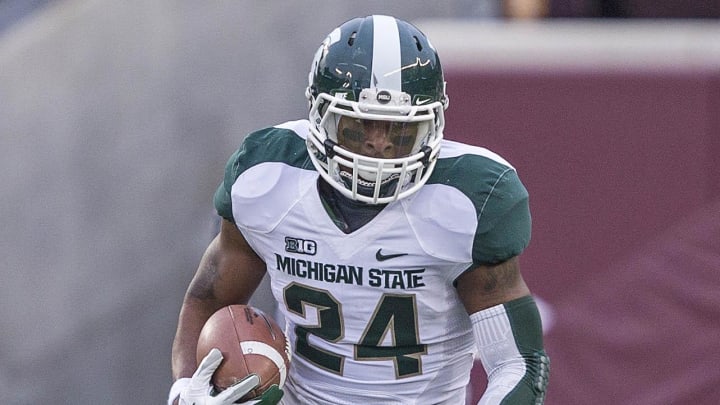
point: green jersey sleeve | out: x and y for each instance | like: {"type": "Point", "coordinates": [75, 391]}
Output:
{"type": "Point", "coordinates": [498, 197]}
{"type": "Point", "coordinates": [221, 199]}
{"type": "Point", "coordinates": [504, 222]}
{"type": "Point", "coordinates": [274, 144]}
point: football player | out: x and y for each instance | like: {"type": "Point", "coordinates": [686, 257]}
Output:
{"type": "Point", "coordinates": [392, 252]}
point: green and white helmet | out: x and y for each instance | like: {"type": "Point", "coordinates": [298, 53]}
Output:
{"type": "Point", "coordinates": [376, 68]}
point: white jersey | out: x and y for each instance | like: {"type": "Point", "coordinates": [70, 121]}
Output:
{"type": "Point", "coordinates": [372, 316]}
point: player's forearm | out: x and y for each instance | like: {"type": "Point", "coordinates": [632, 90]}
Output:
{"type": "Point", "coordinates": [193, 315]}
{"type": "Point", "coordinates": [228, 273]}
{"type": "Point", "coordinates": [511, 349]}
{"type": "Point", "coordinates": [201, 300]}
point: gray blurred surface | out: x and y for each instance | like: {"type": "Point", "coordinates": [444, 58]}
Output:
{"type": "Point", "coordinates": [116, 119]}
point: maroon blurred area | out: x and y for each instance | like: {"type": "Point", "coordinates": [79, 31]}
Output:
{"type": "Point", "coordinates": [623, 170]}
{"type": "Point", "coordinates": [635, 8]}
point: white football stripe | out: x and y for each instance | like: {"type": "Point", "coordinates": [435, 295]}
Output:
{"type": "Point", "coordinates": [386, 72]}
{"type": "Point", "coordinates": [263, 349]}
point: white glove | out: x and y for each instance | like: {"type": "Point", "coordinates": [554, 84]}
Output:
{"type": "Point", "coordinates": [196, 390]}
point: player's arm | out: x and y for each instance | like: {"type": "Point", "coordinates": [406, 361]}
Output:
{"type": "Point", "coordinates": [229, 272]}
{"type": "Point", "coordinates": [506, 324]}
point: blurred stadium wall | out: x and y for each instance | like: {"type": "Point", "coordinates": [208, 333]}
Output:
{"type": "Point", "coordinates": [614, 127]}
{"type": "Point", "coordinates": [116, 119]}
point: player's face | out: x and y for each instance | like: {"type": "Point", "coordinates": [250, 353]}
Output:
{"type": "Point", "coordinates": [378, 139]}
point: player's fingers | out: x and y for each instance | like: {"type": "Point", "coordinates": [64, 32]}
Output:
{"type": "Point", "coordinates": [239, 389]}
{"type": "Point", "coordinates": [207, 367]}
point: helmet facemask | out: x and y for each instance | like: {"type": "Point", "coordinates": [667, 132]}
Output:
{"type": "Point", "coordinates": [412, 134]}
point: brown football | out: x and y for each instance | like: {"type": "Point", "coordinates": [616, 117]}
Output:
{"type": "Point", "coordinates": [251, 343]}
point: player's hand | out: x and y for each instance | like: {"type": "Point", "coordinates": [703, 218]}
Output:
{"type": "Point", "coordinates": [199, 389]}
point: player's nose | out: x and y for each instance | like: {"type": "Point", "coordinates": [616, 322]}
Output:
{"type": "Point", "coordinates": [377, 143]}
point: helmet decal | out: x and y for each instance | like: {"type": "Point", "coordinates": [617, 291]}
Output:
{"type": "Point", "coordinates": [383, 97]}
{"type": "Point", "coordinates": [386, 60]}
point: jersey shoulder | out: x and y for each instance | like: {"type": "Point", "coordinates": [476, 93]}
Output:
{"type": "Point", "coordinates": [498, 197]}
{"type": "Point", "coordinates": [282, 144]}
{"type": "Point", "coordinates": [479, 174]}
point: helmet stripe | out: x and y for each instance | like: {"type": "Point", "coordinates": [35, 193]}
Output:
{"type": "Point", "coordinates": [386, 73]}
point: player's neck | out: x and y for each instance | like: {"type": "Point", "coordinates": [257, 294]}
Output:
{"type": "Point", "coordinates": [348, 215]}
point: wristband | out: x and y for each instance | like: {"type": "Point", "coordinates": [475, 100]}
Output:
{"type": "Point", "coordinates": [177, 386]}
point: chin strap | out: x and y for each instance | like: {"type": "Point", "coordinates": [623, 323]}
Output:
{"type": "Point", "coordinates": [509, 339]}
{"type": "Point", "coordinates": [329, 148]}
{"type": "Point", "coordinates": [427, 151]}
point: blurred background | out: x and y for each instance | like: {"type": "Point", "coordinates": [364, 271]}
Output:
{"type": "Point", "coordinates": [116, 119]}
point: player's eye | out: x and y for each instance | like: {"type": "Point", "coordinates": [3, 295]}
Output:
{"type": "Point", "coordinates": [402, 140]}
{"type": "Point", "coordinates": [403, 134]}
{"type": "Point", "coordinates": [352, 135]}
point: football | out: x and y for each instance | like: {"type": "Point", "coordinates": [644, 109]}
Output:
{"type": "Point", "coordinates": [251, 343]}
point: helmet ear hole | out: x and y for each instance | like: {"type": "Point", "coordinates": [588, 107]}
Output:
{"type": "Point", "coordinates": [418, 44]}
{"type": "Point", "coordinates": [351, 40]}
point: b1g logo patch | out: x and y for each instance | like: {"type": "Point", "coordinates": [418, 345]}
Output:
{"type": "Point", "coordinates": [302, 246]}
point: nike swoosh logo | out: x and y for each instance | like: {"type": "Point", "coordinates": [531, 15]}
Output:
{"type": "Point", "coordinates": [381, 257]}
{"type": "Point", "coordinates": [422, 101]}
